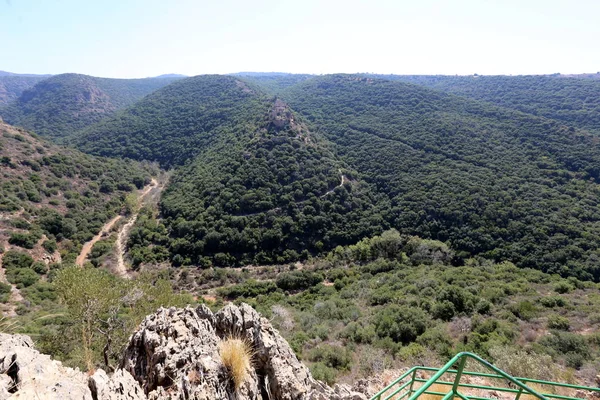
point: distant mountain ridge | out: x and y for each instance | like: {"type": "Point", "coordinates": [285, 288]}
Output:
{"type": "Point", "coordinates": [61, 105]}
{"type": "Point", "coordinates": [574, 100]}
{"type": "Point", "coordinates": [6, 73]}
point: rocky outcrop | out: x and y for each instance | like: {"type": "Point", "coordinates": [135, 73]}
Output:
{"type": "Point", "coordinates": [120, 386]}
{"type": "Point", "coordinates": [173, 355]}
{"type": "Point", "coordinates": [27, 374]}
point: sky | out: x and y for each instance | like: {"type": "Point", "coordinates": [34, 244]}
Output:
{"type": "Point", "coordinates": [141, 38]}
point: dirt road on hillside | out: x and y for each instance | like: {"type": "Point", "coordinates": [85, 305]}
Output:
{"type": "Point", "coordinates": [87, 247]}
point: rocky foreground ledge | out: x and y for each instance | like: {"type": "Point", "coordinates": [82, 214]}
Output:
{"type": "Point", "coordinates": [174, 355]}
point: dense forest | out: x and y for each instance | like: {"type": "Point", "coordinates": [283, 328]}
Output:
{"type": "Point", "coordinates": [572, 100]}
{"type": "Point", "coordinates": [265, 179]}
{"type": "Point", "coordinates": [173, 124]}
{"type": "Point", "coordinates": [488, 180]}
{"type": "Point", "coordinates": [61, 105]}
{"type": "Point", "coordinates": [277, 198]}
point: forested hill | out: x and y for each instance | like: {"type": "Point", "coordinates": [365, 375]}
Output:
{"type": "Point", "coordinates": [277, 197]}
{"type": "Point", "coordinates": [253, 183]}
{"type": "Point", "coordinates": [12, 86]}
{"type": "Point", "coordinates": [575, 101]}
{"type": "Point", "coordinates": [273, 82]}
{"type": "Point", "coordinates": [61, 105]}
{"type": "Point", "coordinates": [173, 124]}
{"type": "Point", "coordinates": [489, 180]}
{"type": "Point", "coordinates": [55, 198]}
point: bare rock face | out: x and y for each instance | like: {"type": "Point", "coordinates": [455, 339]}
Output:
{"type": "Point", "coordinates": [120, 386]}
{"type": "Point", "coordinates": [175, 355]}
{"type": "Point", "coordinates": [27, 374]}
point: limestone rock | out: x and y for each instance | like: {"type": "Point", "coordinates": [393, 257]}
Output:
{"type": "Point", "coordinates": [27, 374]}
{"type": "Point", "coordinates": [120, 386]}
{"type": "Point", "coordinates": [175, 355]}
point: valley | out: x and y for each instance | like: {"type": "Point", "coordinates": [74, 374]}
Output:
{"type": "Point", "coordinates": [378, 222]}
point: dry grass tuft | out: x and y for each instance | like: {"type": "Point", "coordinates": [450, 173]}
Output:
{"type": "Point", "coordinates": [236, 355]}
{"type": "Point", "coordinates": [8, 325]}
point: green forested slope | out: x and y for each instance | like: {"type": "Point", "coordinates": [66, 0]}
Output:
{"type": "Point", "coordinates": [58, 192]}
{"type": "Point", "coordinates": [252, 183]}
{"type": "Point", "coordinates": [175, 123]}
{"type": "Point", "coordinates": [273, 83]}
{"type": "Point", "coordinates": [12, 86]}
{"type": "Point", "coordinates": [574, 101]}
{"type": "Point", "coordinates": [276, 198]}
{"type": "Point", "coordinates": [490, 181]}
{"type": "Point", "coordinates": [63, 104]}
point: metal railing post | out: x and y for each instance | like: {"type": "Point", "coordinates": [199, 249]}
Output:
{"type": "Point", "coordinates": [412, 382]}
{"type": "Point", "coordinates": [459, 371]}
{"type": "Point", "coordinates": [519, 394]}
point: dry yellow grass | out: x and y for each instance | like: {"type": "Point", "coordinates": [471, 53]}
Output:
{"type": "Point", "coordinates": [236, 356]}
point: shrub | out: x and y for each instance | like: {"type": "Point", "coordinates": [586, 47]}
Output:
{"type": "Point", "coordinates": [565, 343]}
{"type": "Point", "coordinates": [400, 323]}
{"type": "Point", "coordinates": [556, 321]}
{"type": "Point", "coordinates": [298, 280]}
{"type": "Point", "coordinates": [443, 310]}
{"type": "Point", "coordinates": [483, 307]}
{"type": "Point", "coordinates": [323, 373]}
{"type": "Point", "coordinates": [49, 245]}
{"type": "Point", "coordinates": [20, 223]}
{"type": "Point", "coordinates": [563, 287]}
{"type": "Point", "coordinates": [521, 363]}
{"type": "Point", "coordinates": [552, 301]}
{"type": "Point", "coordinates": [16, 259]}
{"type": "Point", "coordinates": [236, 356]}
{"type": "Point", "coordinates": [524, 310]}
{"type": "Point", "coordinates": [22, 277]}
{"type": "Point", "coordinates": [5, 290]}
{"type": "Point", "coordinates": [26, 240]}
{"type": "Point", "coordinates": [39, 267]}
{"type": "Point", "coordinates": [335, 357]}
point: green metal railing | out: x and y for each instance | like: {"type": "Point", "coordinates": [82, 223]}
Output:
{"type": "Point", "coordinates": [411, 386]}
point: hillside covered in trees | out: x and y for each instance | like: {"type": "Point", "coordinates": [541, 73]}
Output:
{"type": "Point", "coordinates": [258, 181]}
{"type": "Point", "coordinates": [175, 123]}
{"type": "Point", "coordinates": [12, 86]}
{"type": "Point", "coordinates": [572, 100]}
{"type": "Point", "coordinates": [256, 185]}
{"type": "Point", "coordinates": [61, 105]}
{"type": "Point", "coordinates": [489, 180]}
{"type": "Point", "coordinates": [52, 200]}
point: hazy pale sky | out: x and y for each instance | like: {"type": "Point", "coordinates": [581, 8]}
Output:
{"type": "Point", "coordinates": [140, 38]}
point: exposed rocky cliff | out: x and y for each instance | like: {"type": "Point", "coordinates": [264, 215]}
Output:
{"type": "Point", "coordinates": [173, 355]}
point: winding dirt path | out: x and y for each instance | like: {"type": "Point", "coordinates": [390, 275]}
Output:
{"type": "Point", "coordinates": [343, 180]}
{"type": "Point", "coordinates": [87, 247]}
{"type": "Point", "coordinates": [120, 269]}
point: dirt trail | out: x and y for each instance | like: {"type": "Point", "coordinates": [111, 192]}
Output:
{"type": "Point", "coordinates": [343, 180]}
{"type": "Point", "coordinates": [120, 269]}
{"type": "Point", "coordinates": [87, 247]}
